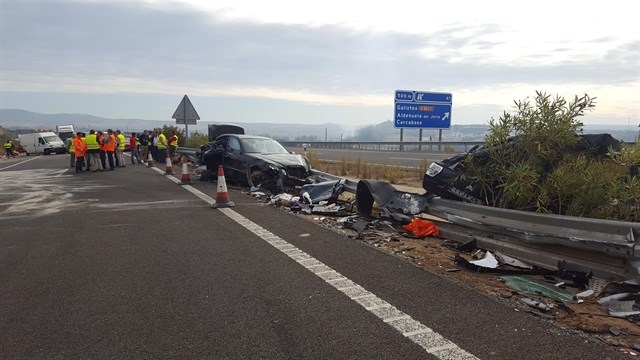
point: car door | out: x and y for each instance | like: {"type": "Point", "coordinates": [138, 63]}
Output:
{"type": "Point", "coordinates": [233, 160]}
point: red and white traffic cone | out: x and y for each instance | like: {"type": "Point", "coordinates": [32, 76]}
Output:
{"type": "Point", "coordinates": [169, 167]}
{"type": "Point", "coordinates": [150, 160]}
{"type": "Point", "coordinates": [186, 178]}
{"type": "Point", "coordinates": [222, 196]}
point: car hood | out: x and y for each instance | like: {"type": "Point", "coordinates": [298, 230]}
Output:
{"type": "Point", "coordinates": [282, 159]}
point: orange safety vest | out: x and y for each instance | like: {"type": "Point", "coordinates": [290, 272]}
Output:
{"type": "Point", "coordinates": [111, 145]}
{"type": "Point", "coordinates": [100, 146]}
{"type": "Point", "coordinates": [79, 147]}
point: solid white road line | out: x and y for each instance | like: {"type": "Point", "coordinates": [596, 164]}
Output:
{"type": "Point", "coordinates": [21, 162]}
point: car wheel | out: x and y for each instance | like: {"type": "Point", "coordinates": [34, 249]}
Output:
{"type": "Point", "coordinates": [46, 151]}
{"type": "Point", "coordinates": [257, 177]}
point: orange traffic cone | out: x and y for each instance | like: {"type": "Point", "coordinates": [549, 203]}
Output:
{"type": "Point", "coordinates": [186, 178]}
{"type": "Point", "coordinates": [222, 196]}
{"type": "Point", "coordinates": [150, 160]}
{"type": "Point", "coordinates": [169, 168]}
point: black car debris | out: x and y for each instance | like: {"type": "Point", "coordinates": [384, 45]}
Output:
{"type": "Point", "coordinates": [255, 161]}
{"type": "Point", "coordinates": [446, 178]}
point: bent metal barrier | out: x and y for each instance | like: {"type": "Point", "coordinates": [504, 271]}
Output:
{"type": "Point", "coordinates": [607, 248]}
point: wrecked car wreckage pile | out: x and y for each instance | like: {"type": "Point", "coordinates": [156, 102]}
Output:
{"type": "Point", "coordinates": [579, 272]}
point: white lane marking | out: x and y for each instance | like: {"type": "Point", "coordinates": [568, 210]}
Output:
{"type": "Point", "coordinates": [20, 163]}
{"type": "Point", "coordinates": [432, 342]}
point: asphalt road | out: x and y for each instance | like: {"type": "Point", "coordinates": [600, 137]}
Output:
{"type": "Point", "coordinates": [129, 265]}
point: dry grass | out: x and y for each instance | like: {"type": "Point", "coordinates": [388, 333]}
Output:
{"type": "Point", "coordinates": [360, 169]}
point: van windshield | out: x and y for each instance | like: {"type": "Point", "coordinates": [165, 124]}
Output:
{"type": "Point", "coordinates": [51, 139]}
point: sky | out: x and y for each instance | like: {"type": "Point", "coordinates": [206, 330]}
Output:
{"type": "Point", "coordinates": [315, 61]}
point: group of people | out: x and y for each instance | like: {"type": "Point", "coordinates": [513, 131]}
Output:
{"type": "Point", "coordinates": [98, 151]}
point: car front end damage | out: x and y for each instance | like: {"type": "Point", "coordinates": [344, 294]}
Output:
{"type": "Point", "coordinates": [279, 172]}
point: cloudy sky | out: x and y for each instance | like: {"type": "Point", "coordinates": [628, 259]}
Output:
{"type": "Point", "coordinates": [315, 61]}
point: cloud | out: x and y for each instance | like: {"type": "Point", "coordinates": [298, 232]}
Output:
{"type": "Point", "coordinates": [101, 47]}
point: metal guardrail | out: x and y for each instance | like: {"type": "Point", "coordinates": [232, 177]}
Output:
{"type": "Point", "coordinates": [608, 249]}
{"type": "Point", "coordinates": [456, 146]}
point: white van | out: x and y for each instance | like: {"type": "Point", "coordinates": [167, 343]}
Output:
{"type": "Point", "coordinates": [42, 143]}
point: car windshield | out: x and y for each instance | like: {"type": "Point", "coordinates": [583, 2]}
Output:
{"type": "Point", "coordinates": [263, 146]}
{"type": "Point", "coordinates": [50, 139]}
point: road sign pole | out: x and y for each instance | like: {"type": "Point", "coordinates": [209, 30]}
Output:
{"type": "Point", "coordinates": [186, 126]}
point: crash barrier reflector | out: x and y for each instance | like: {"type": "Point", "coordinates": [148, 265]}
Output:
{"type": "Point", "coordinates": [150, 160]}
{"type": "Point", "coordinates": [169, 168]}
{"type": "Point", "coordinates": [186, 177]}
{"type": "Point", "coordinates": [222, 196]}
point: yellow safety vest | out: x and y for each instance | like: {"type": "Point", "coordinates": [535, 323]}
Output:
{"type": "Point", "coordinates": [121, 141]}
{"type": "Point", "coordinates": [92, 142]}
{"type": "Point", "coordinates": [175, 142]}
{"type": "Point", "coordinates": [162, 141]}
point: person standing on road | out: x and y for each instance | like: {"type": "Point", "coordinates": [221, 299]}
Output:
{"type": "Point", "coordinates": [162, 147]}
{"type": "Point", "coordinates": [173, 144]}
{"type": "Point", "coordinates": [8, 147]}
{"type": "Point", "coordinates": [135, 148]}
{"type": "Point", "coordinates": [154, 145]}
{"type": "Point", "coordinates": [87, 164]}
{"type": "Point", "coordinates": [144, 146]}
{"type": "Point", "coordinates": [120, 144]}
{"type": "Point", "coordinates": [110, 148]}
{"type": "Point", "coordinates": [93, 149]}
{"type": "Point", "coordinates": [103, 153]}
{"type": "Point", "coordinates": [68, 142]}
{"type": "Point", "coordinates": [79, 150]}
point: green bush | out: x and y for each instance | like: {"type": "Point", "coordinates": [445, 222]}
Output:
{"type": "Point", "coordinates": [537, 172]}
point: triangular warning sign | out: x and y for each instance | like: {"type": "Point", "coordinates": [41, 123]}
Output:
{"type": "Point", "coordinates": [186, 112]}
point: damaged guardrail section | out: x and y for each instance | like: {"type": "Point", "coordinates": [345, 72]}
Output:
{"type": "Point", "coordinates": [603, 247]}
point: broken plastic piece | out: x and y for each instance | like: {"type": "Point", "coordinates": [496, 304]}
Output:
{"type": "Point", "coordinates": [489, 261]}
{"type": "Point", "coordinates": [535, 304]}
{"type": "Point", "coordinates": [531, 286]}
{"type": "Point", "coordinates": [504, 259]}
{"type": "Point", "coordinates": [421, 228]}
{"type": "Point", "coordinates": [388, 198]}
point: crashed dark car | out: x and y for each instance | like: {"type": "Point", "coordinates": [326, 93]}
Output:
{"type": "Point", "coordinates": [255, 161]}
{"type": "Point", "coordinates": [446, 178]}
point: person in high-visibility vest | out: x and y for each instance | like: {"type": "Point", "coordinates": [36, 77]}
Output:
{"type": "Point", "coordinates": [93, 149]}
{"type": "Point", "coordinates": [120, 144]}
{"type": "Point", "coordinates": [109, 146]}
{"type": "Point", "coordinates": [162, 146]}
{"type": "Point", "coordinates": [173, 144]}
{"type": "Point", "coordinates": [68, 142]}
{"type": "Point", "coordinates": [8, 147]}
{"type": "Point", "coordinates": [79, 150]}
{"type": "Point", "coordinates": [87, 165]}
{"type": "Point", "coordinates": [103, 153]}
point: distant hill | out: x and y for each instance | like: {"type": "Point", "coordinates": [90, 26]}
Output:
{"type": "Point", "coordinates": [27, 120]}
{"type": "Point", "coordinates": [23, 120]}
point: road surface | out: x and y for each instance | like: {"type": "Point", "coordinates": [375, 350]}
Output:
{"type": "Point", "coordinates": [129, 265]}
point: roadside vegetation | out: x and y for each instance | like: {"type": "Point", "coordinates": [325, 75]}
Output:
{"type": "Point", "coordinates": [539, 172]}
